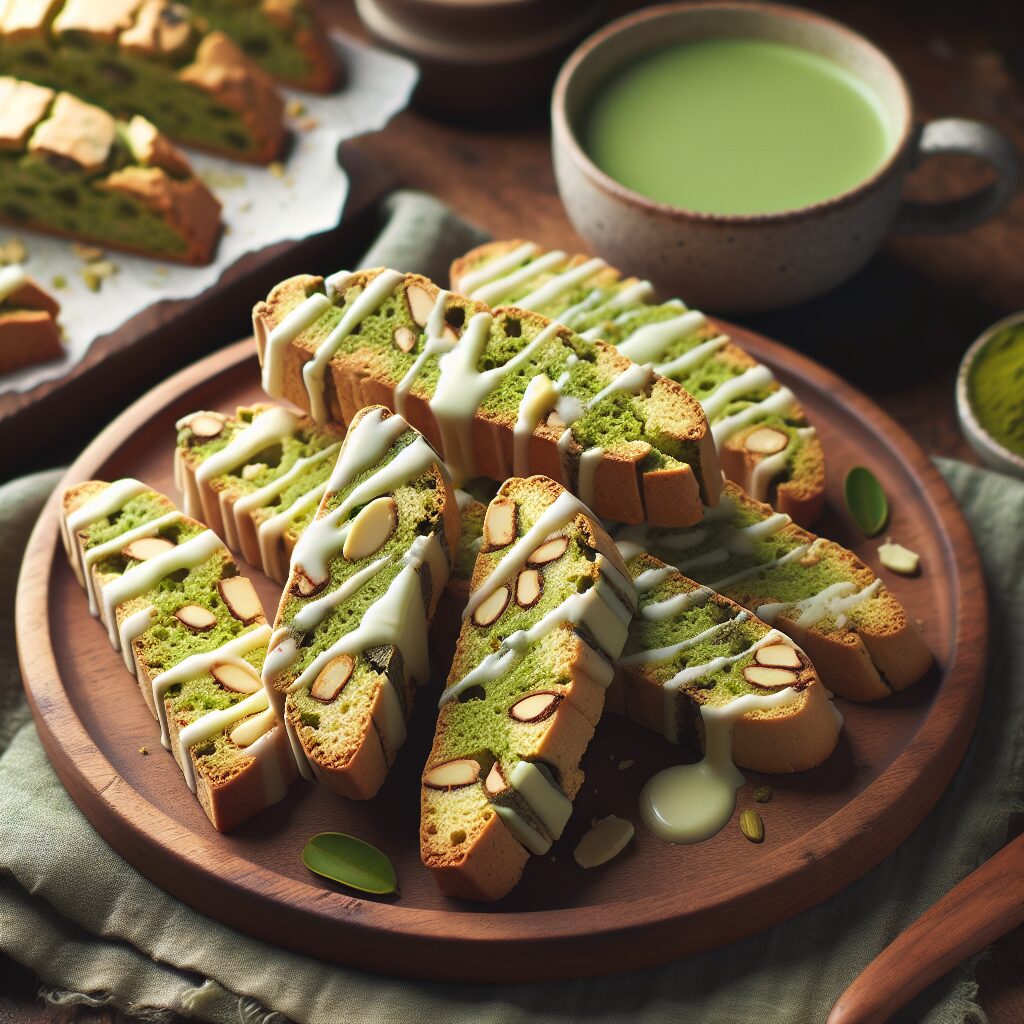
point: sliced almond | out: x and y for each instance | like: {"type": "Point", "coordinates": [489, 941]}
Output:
{"type": "Point", "coordinates": [405, 339]}
{"type": "Point", "coordinates": [246, 733]}
{"type": "Point", "coordinates": [536, 707]}
{"type": "Point", "coordinates": [371, 529]}
{"type": "Point", "coordinates": [452, 774]}
{"type": "Point", "coordinates": [763, 675]}
{"type": "Point", "coordinates": [253, 469]}
{"type": "Point", "coordinates": [529, 586]}
{"type": "Point", "coordinates": [241, 598]}
{"type": "Point", "coordinates": [501, 523]}
{"type": "Point", "coordinates": [552, 549]}
{"type": "Point", "coordinates": [492, 607]}
{"type": "Point", "coordinates": [778, 656]}
{"type": "Point", "coordinates": [196, 617]}
{"type": "Point", "coordinates": [206, 425]}
{"type": "Point", "coordinates": [765, 441]}
{"type": "Point", "coordinates": [304, 585]}
{"type": "Point", "coordinates": [495, 781]}
{"type": "Point", "coordinates": [236, 678]}
{"type": "Point", "coordinates": [147, 547]}
{"type": "Point", "coordinates": [421, 303]}
{"type": "Point", "coordinates": [332, 679]}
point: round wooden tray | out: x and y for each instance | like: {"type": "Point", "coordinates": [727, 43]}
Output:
{"type": "Point", "coordinates": [654, 903]}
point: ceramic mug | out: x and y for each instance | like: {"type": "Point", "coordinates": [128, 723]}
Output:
{"type": "Point", "coordinates": [765, 261]}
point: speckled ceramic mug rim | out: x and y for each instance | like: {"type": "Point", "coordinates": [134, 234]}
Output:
{"type": "Point", "coordinates": [565, 133]}
{"type": "Point", "coordinates": [965, 409]}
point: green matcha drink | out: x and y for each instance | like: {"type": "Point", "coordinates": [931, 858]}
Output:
{"type": "Point", "coordinates": [996, 388]}
{"type": "Point", "coordinates": [736, 126]}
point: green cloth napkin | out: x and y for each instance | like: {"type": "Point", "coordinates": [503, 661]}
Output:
{"type": "Point", "coordinates": [97, 932]}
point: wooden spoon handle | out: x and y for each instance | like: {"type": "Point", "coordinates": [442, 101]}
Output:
{"type": "Point", "coordinates": [988, 903]}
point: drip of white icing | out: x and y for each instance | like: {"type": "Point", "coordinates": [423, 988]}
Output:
{"type": "Point", "coordinates": [697, 356]}
{"type": "Point", "coordinates": [523, 831]}
{"type": "Point", "coordinates": [274, 424]}
{"type": "Point", "coordinates": [106, 503]}
{"type": "Point", "coordinates": [131, 628]}
{"type": "Point", "coordinates": [299, 319]}
{"type": "Point", "coordinates": [496, 268]}
{"type": "Point", "coordinates": [777, 402]}
{"type": "Point", "coordinates": [551, 806]}
{"type": "Point", "coordinates": [651, 578]}
{"type": "Point", "coordinates": [310, 615]}
{"type": "Point", "coordinates": [690, 803]}
{"type": "Point", "coordinates": [560, 284]}
{"type": "Point", "coordinates": [143, 577]}
{"type": "Point", "coordinates": [834, 600]}
{"type": "Point", "coordinates": [647, 344]}
{"type": "Point", "coordinates": [736, 387]}
{"type": "Point", "coordinates": [197, 665]}
{"type": "Point", "coordinates": [538, 399]}
{"type": "Point", "coordinates": [498, 287]}
{"type": "Point", "coordinates": [272, 530]}
{"type": "Point", "coordinates": [365, 446]}
{"type": "Point", "coordinates": [366, 303]}
{"type": "Point", "coordinates": [632, 380]}
{"type": "Point", "coordinates": [655, 655]}
{"type": "Point", "coordinates": [767, 469]}
{"type": "Point", "coordinates": [589, 461]}
{"type": "Point", "coordinates": [675, 605]}
{"type": "Point", "coordinates": [436, 343]}
{"type": "Point", "coordinates": [11, 279]}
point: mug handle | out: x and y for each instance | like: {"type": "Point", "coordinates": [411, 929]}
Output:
{"type": "Point", "coordinates": [959, 135]}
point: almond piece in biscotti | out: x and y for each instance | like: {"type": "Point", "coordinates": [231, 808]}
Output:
{"type": "Point", "coordinates": [501, 524]}
{"type": "Point", "coordinates": [765, 675]}
{"type": "Point", "coordinates": [22, 107]}
{"type": "Point", "coordinates": [778, 656]}
{"type": "Point", "coordinates": [236, 678]}
{"type": "Point", "coordinates": [147, 547]}
{"type": "Point", "coordinates": [551, 550]}
{"type": "Point", "coordinates": [75, 131]}
{"type": "Point", "coordinates": [371, 529]}
{"type": "Point", "coordinates": [495, 781]}
{"type": "Point", "coordinates": [405, 339]}
{"type": "Point", "coordinates": [206, 425]}
{"type": "Point", "coordinates": [248, 732]}
{"type": "Point", "coordinates": [529, 586]}
{"type": "Point", "coordinates": [332, 679]}
{"type": "Point", "coordinates": [492, 607]}
{"type": "Point", "coordinates": [196, 617]}
{"type": "Point", "coordinates": [535, 707]}
{"type": "Point", "coordinates": [421, 304]}
{"type": "Point", "coordinates": [241, 598]}
{"type": "Point", "coordinates": [765, 441]}
{"type": "Point", "coordinates": [453, 774]}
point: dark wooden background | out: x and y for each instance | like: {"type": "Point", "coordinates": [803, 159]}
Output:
{"type": "Point", "coordinates": [897, 330]}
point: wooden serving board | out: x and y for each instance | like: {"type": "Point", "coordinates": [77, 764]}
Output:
{"type": "Point", "coordinates": [654, 903]}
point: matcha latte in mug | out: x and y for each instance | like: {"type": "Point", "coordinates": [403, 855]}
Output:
{"type": "Point", "coordinates": [748, 155]}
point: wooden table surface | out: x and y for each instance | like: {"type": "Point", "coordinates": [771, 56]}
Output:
{"type": "Point", "coordinates": [897, 330]}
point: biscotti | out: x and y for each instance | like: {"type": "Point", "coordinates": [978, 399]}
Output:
{"type": "Point", "coordinates": [285, 37]}
{"type": "Point", "coordinates": [349, 646]}
{"type": "Point", "coordinates": [256, 477]}
{"type": "Point", "coordinates": [69, 168]}
{"type": "Point", "coordinates": [764, 441]}
{"type": "Point", "coordinates": [28, 322]}
{"type": "Point", "coordinates": [152, 58]}
{"type": "Point", "coordinates": [690, 650]}
{"type": "Point", "coordinates": [855, 631]}
{"type": "Point", "coordinates": [498, 392]}
{"type": "Point", "coordinates": [193, 632]}
{"type": "Point", "coordinates": [548, 614]}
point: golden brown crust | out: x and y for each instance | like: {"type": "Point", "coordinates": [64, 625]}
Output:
{"type": "Point", "coordinates": [27, 337]}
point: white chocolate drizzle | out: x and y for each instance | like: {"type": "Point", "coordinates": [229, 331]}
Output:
{"type": "Point", "coordinates": [112, 499]}
{"type": "Point", "coordinates": [492, 269]}
{"type": "Point", "coordinates": [298, 320]}
{"type": "Point", "coordinates": [11, 279]}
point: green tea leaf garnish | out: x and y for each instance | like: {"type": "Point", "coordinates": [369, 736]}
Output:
{"type": "Point", "coordinates": [866, 501]}
{"type": "Point", "coordinates": [350, 861]}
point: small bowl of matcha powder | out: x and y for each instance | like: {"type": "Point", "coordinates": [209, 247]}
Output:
{"type": "Point", "coordinates": [990, 395]}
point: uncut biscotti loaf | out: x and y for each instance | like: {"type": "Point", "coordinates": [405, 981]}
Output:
{"type": "Point", "coordinates": [764, 441]}
{"type": "Point", "coordinates": [69, 168]}
{"type": "Point", "coordinates": [256, 477]}
{"type": "Point", "coordinates": [855, 631]}
{"type": "Point", "coordinates": [690, 649]}
{"type": "Point", "coordinates": [669, 668]}
{"type": "Point", "coordinates": [193, 632]}
{"type": "Point", "coordinates": [548, 614]}
{"type": "Point", "coordinates": [152, 58]}
{"type": "Point", "coordinates": [285, 37]}
{"type": "Point", "coordinates": [497, 392]}
{"type": "Point", "coordinates": [28, 321]}
{"type": "Point", "coordinates": [349, 646]}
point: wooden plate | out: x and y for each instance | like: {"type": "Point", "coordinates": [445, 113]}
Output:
{"type": "Point", "coordinates": [656, 902]}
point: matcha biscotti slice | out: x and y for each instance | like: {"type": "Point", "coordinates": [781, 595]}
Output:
{"type": "Point", "coordinates": [285, 37]}
{"type": "Point", "coordinates": [855, 631]}
{"type": "Point", "coordinates": [69, 168]}
{"type": "Point", "coordinates": [193, 632]}
{"type": "Point", "coordinates": [548, 614]}
{"type": "Point", "coordinates": [256, 477]}
{"type": "Point", "coordinates": [499, 392]}
{"type": "Point", "coordinates": [764, 441]}
{"type": "Point", "coordinates": [28, 321]}
{"type": "Point", "coordinates": [349, 646]}
{"type": "Point", "coordinates": [689, 648]}
{"type": "Point", "coordinates": [152, 58]}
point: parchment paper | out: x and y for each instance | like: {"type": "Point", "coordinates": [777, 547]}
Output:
{"type": "Point", "coordinates": [261, 208]}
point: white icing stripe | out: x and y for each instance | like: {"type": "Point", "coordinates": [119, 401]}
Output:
{"type": "Point", "coordinates": [551, 806]}
{"type": "Point", "coordinates": [648, 344]}
{"type": "Point", "coordinates": [366, 444]}
{"type": "Point", "coordinates": [11, 279]}
{"type": "Point", "coordinates": [146, 575]}
{"type": "Point", "coordinates": [657, 611]}
{"type": "Point", "coordinates": [638, 291]}
{"type": "Point", "coordinates": [767, 469]}
{"type": "Point", "coordinates": [436, 343]}
{"type": "Point", "coordinates": [561, 283]}
{"type": "Point", "coordinates": [274, 424]}
{"type": "Point", "coordinates": [834, 600]}
{"type": "Point", "coordinates": [488, 271]}
{"type": "Point", "coordinates": [131, 628]}
{"type": "Point", "coordinates": [297, 321]}
{"type": "Point", "coordinates": [368, 302]}
{"type": "Point", "coordinates": [497, 288]}
{"type": "Point", "coordinates": [110, 500]}
{"type": "Point", "coordinates": [113, 547]}
{"type": "Point", "coordinates": [310, 615]}
{"type": "Point", "coordinates": [661, 654]}
{"type": "Point", "coordinates": [523, 831]}
{"type": "Point", "coordinates": [751, 379]}
{"type": "Point", "coordinates": [538, 400]}
{"type": "Point", "coordinates": [791, 556]}
{"type": "Point", "coordinates": [651, 578]}
{"type": "Point", "coordinates": [271, 532]}
{"type": "Point", "coordinates": [589, 461]}
{"type": "Point", "coordinates": [697, 356]}
{"type": "Point", "coordinates": [631, 381]}
{"type": "Point", "coordinates": [777, 402]}
{"type": "Point", "coordinates": [198, 665]}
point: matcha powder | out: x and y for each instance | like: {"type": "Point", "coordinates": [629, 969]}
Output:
{"type": "Point", "coordinates": [996, 388]}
